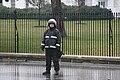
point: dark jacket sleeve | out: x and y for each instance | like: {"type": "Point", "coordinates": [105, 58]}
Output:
{"type": "Point", "coordinates": [58, 38]}
{"type": "Point", "coordinates": [43, 39]}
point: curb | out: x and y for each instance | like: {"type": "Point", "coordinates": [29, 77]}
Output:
{"type": "Point", "coordinates": [64, 58]}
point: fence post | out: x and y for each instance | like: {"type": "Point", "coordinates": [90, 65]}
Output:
{"type": "Point", "coordinates": [16, 33]}
{"type": "Point", "coordinates": [110, 35]}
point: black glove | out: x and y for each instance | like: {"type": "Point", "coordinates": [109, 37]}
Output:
{"type": "Point", "coordinates": [42, 47]}
{"type": "Point", "coordinates": [58, 48]}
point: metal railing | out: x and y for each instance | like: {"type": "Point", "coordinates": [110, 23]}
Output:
{"type": "Point", "coordinates": [87, 34]}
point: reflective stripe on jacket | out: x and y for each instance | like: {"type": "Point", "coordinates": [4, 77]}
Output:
{"type": "Point", "coordinates": [51, 38]}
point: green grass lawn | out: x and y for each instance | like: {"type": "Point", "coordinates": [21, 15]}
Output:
{"type": "Point", "coordinates": [83, 38]}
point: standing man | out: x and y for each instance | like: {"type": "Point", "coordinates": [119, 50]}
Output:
{"type": "Point", "coordinates": [51, 42]}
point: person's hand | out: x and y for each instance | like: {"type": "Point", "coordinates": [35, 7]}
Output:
{"type": "Point", "coordinates": [58, 48]}
{"type": "Point", "coordinates": [42, 47]}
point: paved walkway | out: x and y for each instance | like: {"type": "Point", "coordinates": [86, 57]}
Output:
{"type": "Point", "coordinates": [69, 71]}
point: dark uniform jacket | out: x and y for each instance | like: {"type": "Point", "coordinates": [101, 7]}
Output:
{"type": "Point", "coordinates": [51, 38]}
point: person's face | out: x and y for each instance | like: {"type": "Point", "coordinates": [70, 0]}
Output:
{"type": "Point", "coordinates": [52, 25]}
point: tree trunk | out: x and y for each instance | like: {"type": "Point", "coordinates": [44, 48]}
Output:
{"type": "Point", "coordinates": [57, 15]}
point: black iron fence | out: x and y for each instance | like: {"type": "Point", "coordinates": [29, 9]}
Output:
{"type": "Point", "coordinates": [87, 34]}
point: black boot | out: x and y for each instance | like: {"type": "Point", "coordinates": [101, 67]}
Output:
{"type": "Point", "coordinates": [56, 72]}
{"type": "Point", "coordinates": [46, 73]}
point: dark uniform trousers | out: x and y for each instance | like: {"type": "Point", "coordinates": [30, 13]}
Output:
{"type": "Point", "coordinates": [51, 54]}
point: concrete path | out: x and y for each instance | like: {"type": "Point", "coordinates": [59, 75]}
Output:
{"type": "Point", "coordinates": [32, 70]}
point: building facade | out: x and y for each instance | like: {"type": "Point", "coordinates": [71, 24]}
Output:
{"type": "Point", "coordinates": [22, 3]}
{"type": "Point", "coordinates": [14, 3]}
{"type": "Point", "coordinates": [113, 5]}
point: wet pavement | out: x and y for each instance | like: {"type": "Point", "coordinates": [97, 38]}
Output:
{"type": "Point", "coordinates": [32, 70]}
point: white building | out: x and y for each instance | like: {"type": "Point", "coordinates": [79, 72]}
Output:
{"type": "Point", "coordinates": [114, 5]}
{"type": "Point", "coordinates": [14, 3]}
{"type": "Point", "coordinates": [19, 3]}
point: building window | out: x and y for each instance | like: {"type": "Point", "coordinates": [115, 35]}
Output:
{"type": "Point", "coordinates": [101, 4]}
{"type": "Point", "coordinates": [98, 3]}
{"type": "Point", "coordinates": [13, 3]}
{"type": "Point", "coordinates": [118, 14]}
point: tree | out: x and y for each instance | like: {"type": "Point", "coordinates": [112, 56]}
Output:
{"type": "Point", "coordinates": [80, 2]}
{"type": "Point", "coordinates": [38, 4]}
{"type": "Point", "coordinates": [57, 14]}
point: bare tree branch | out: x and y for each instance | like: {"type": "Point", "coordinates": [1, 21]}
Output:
{"type": "Point", "coordinates": [37, 2]}
{"type": "Point", "coordinates": [80, 2]}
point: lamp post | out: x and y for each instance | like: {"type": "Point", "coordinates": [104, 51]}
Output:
{"type": "Point", "coordinates": [39, 6]}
